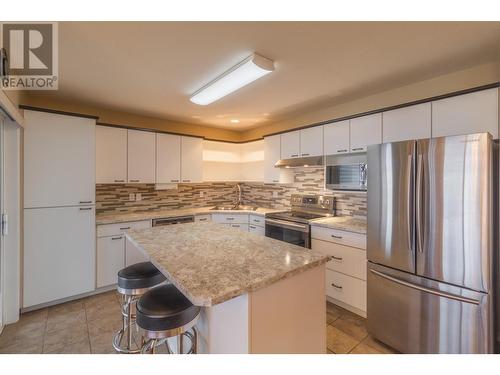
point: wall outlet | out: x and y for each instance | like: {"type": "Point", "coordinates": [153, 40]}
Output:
{"type": "Point", "coordinates": [131, 197]}
{"type": "Point", "coordinates": [201, 194]}
{"type": "Point", "coordinates": [275, 194]}
{"type": "Point", "coordinates": [138, 196]}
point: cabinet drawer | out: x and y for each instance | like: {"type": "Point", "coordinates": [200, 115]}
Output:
{"type": "Point", "coordinates": [339, 236]}
{"type": "Point", "coordinates": [230, 218]}
{"type": "Point", "coordinates": [256, 229]}
{"type": "Point", "coordinates": [242, 227]}
{"type": "Point", "coordinates": [110, 259]}
{"type": "Point", "coordinates": [120, 228]}
{"type": "Point", "coordinates": [346, 289]}
{"type": "Point", "coordinates": [348, 260]}
{"type": "Point", "coordinates": [256, 220]}
{"type": "Point", "coordinates": [203, 218]}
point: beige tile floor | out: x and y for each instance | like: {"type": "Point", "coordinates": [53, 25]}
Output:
{"type": "Point", "coordinates": [88, 325]}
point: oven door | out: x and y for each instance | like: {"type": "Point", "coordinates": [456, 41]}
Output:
{"type": "Point", "coordinates": [288, 231]}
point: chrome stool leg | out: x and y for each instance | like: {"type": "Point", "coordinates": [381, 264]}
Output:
{"type": "Point", "coordinates": [128, 317]}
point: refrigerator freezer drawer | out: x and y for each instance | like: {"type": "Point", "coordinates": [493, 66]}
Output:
{"type": "Point", "coordinates": [417, 315]}
{"type": "Point", "coordinates": [346, 289]}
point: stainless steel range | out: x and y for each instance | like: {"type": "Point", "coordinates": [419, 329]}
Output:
{"type": "Point", "coordinates": [292, 226]}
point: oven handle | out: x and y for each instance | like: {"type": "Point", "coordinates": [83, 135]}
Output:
{"type": "Point", "coordinates": [288, 225]}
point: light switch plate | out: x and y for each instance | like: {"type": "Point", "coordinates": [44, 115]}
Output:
{"type": "Point", "coordinates": [131, 197]}
{"type": "Point", "coordinates": [138, 196]}
{"type": "Point", "coordinates": [275, 194]}
{"type": "Point", "coordinates": [201, 194]}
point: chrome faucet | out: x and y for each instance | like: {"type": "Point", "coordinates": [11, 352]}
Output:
{"type": "Point", "coordinates": [238, 201]}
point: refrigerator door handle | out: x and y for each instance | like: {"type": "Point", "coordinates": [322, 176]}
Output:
{"type": "Point", "coordinates": [427, 290]}
{"type": "Point", "coordinates": [409, 195]}
{"type": "Point", "coordinates": [418, 202]}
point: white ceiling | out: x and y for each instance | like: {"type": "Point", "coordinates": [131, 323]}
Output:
{"type": "Point", "coordinates": [153, 68]}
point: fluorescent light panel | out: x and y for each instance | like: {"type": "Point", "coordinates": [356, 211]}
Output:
{"type": "Point", "coordinates": [247, 71]}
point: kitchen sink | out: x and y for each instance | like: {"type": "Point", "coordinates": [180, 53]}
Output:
{"type": "Point", "coordinates": [235, 208]}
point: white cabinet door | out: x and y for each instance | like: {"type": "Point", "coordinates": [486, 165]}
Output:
{"type": "Point", "coordinates": [272, 153]}
{"type": "Point", "coordinates": [59, 160]}
{"type": "Point", "coordinates": [476, 112]}
{"type": "Point", "coordinates": [290, 145]}
{"type": "Point", "coordinates": [191, 159]}
{"type": "Point", "coordinates": [141, 157]}
{"type": "Point", "coordinates": [59, 253]}
{"type": "Point", "coordinates": [366, 130]}
{"type": "Point", "coordinates": [407, 123]}
{"type": "Point", "coordinates": [311, 141]}
{"type": "Point", "coordinates": [111, 155]}
{"type": "Point", "coordinates": [257, 230]}
{"type": "Point", "coordinates": [241, 227]}
{"type": "Point", "coordinates": [336, 138]}
{"type": "Point", "coordinates": [168, 158]}
{"type": "Point", "coordinates": [110, 259]}
{"type": "Point", "coordinates": [133, 255]}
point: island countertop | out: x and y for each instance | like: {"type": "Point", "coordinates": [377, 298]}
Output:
{"type": "Point", "coordinates": [211, 263]}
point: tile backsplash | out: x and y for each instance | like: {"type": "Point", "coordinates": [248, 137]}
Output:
{"type": "Point", "coordinates": [115, 197]}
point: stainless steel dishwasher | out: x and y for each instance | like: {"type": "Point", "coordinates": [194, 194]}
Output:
{"type": "Point", "coordinates": [173, 220]}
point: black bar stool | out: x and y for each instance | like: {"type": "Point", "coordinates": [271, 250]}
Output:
{"type": "Point", "coordinates": [165, 312]}
{"type": "Point", "coordinates": [133, 282]}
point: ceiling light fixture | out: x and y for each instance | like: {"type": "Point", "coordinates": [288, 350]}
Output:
{"type": "Point", "coordinates": [235, 121]}
{"type": "Point", "coordinates": [247, 71]}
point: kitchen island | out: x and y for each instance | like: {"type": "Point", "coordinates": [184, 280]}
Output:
{"type": "Point", "coordinates": [259, 295]}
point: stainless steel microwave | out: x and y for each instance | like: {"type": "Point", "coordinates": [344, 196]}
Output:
{"type": "Point", "coordinates": [346, 172]}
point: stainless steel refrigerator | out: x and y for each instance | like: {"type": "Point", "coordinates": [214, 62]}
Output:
{"type": "Point", "coordinates": [430, 247]}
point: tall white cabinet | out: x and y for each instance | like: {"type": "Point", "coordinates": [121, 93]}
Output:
{"type": "Point", "coordinates": [59, 212]}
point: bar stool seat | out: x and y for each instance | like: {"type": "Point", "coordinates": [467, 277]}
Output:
{"type": "Point", "coordinates": [139, 276]}
{"type": "Point", "coordinates": [165, 312]}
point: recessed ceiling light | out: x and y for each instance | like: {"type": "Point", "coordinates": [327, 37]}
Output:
{"type": "Point", "coordinates": [235, 121]}
{"type": "Point", "coordinates": [247, 71]}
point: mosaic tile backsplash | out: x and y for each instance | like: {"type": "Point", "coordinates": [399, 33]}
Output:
{"type": "Point", "coordinates": [115, 197]}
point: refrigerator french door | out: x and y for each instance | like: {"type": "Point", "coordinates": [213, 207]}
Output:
{"type": "Point", "coordinates": [430, 244]}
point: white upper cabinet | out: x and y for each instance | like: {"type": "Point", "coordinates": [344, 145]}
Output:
{"type": "Point", "coordinates": [407, 123]}
{"type": "Point", "coordinates": [290, 145]}
{"type": "Point", "coordinates": [336, 138]}
{"type": "Point", "coordinates": [365, 130]}
{"type": "Point", "coordinates": [311, 141]}
{"type": "Point", "coordinates": [59, 160]}
{"type": "Point", "coordinates": [111, 155]}
{"type": "Point", "coordinates": [470, 113]}
{"type": "Point", "coordinates": [168, 158]}
{"type": "Point", "coordinates": [191, 159]}
{"type": "Point", "coordinates": [141, 157]}
{"type": "Point", "coordinates": [272, 153]}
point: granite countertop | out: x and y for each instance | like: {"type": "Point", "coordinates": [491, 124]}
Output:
{"type": "Point", "coordinates": [121, 217]}
{"type": "Point", "coordinates": [211, 263]}
{"type": "Point", "coordinates": [347, 223]}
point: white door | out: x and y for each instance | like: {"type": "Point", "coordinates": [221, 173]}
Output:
{"type": "Point", "coordinates": [168, 158]}
{"type": "Point", "coordinates": [2, 262]}
{"type": "Point", "coordinates": [110, 259]}
{"type": "Point", "coordinates": [290, 145]}
{"type": "Point", "coordinates": [336, 138]}
{"type": "Point", "coordinates": [365, 130]}
{"type": "Point", "coordinates": [407, 123]}
{"type": "Point", "coordinates": [476, 112]}
{"type": "Point", "coordinates": [311, 141]}
{"type": "Point", "coordinates": [111, 155]}
{"type": "Point", "coordinates": [191, 159]}
{"type": "Point", "coordinates": [141, 157]}
{"type": "Point", "coordinates": [59, 253]}
{"type": "Point", "coordinates": [59, 160]}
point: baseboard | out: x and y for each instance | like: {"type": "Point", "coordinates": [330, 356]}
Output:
{"type": "Point", "coordinates": [347, 307]}
{"type": "Point", "coordinates": [68, 299]}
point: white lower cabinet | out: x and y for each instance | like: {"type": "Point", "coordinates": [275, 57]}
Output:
{"type": "Point", "coordinates": [230, 218]}
{"type": "Point", "coordinates": [257, 230]}
{"type": "Point", "coordinates": [242, 227]}
{"type": "Point", "coordinates": [346, 272]}
{"type": "Point", "coordinates": [110, 259]}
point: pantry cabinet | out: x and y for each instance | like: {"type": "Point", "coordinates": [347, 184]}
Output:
{"type": "Point", "coordinates": [168, 158]}
{"type": "Point", "coordinates": [336, 138]}
{"type": "Point", "coordinates": [476, 112]}
{"type": "Point", "coordinates": [111, 155]}
{"type": "Point", "coordinates": [191, 159]}
{"type": "Point", "coordinates": [407, 123]}
{"type": "Point", "coordinates": [141, 157]}
{"type": "Point", "coordinates": [364, 131]}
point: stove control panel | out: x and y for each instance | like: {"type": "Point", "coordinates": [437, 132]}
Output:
{"type": "Point", "coordinates": [319, 202]}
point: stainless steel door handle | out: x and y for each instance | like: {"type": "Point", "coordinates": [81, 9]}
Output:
{"type": "Point", "coordinates": [117, 238]}
{"type": "Point", "coordinates": [125, 228]}
{"type": "Point", "coordinates": [341, 150]}
{"type": "Point", "coordinates": [85, 208]}
{"type": "Point", "coordinates": [335, 236]}
{"type": "Point", "coordinates": [357, 148]}
{"type": "Point", "coordinates": [119, 180]}
{"type": "Point", "coordinates": [85, 202]}
{"type": "Point", "coordinates": [134, 180]}
{"type": "Point", "coordinates": [336, 258]}
{"type": "Point", "coordinates": [418, 202]}
{"type": "Point", "coordinates": [337, 286]}
{"type": "Point", "coordinates": [174, 180]}
{"type": "Point", "coordinates": [286, 224]}
{"type": "Point", "coordinates": [305, 154]}
{"type": "Point", "coordinates": [409, 197]}
{"type": "Point", "coordinates": [427, 290]}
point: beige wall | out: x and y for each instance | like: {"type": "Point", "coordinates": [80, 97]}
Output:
{"type": "Point", "coordinates": [464, 79]}
{"type": "Point", "coordinates": [460, 80]}
{"type": "Point", "coordinates": [130, 119]}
